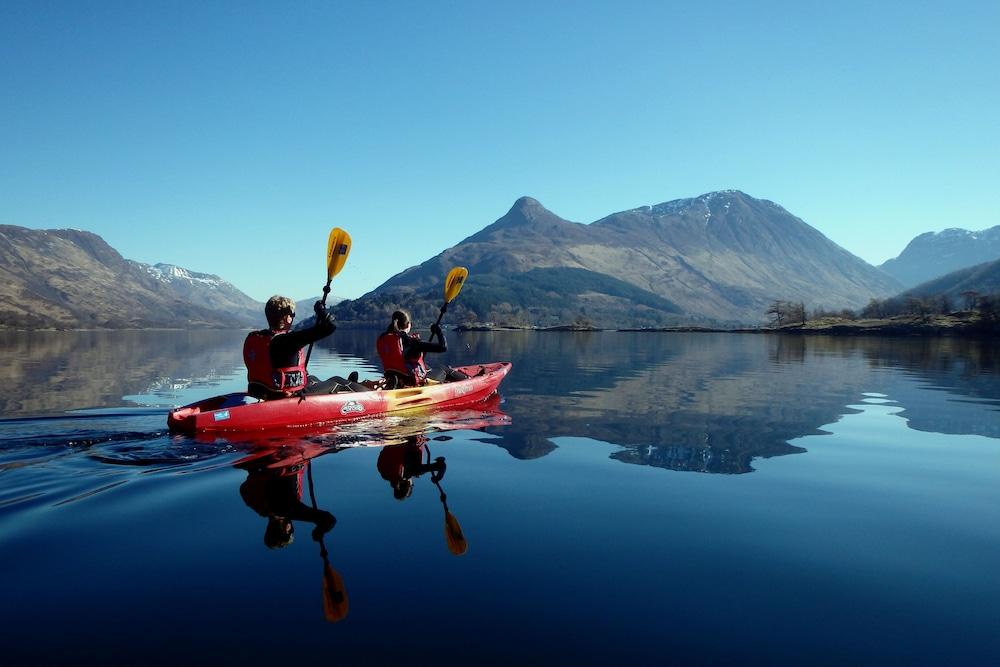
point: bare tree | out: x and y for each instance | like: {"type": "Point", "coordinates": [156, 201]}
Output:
{"type": "Point", "coordinates": [778, 312]}
{"type": "Point", "coordinates": [786, 312]}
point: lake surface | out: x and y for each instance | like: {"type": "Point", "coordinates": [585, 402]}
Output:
{"type": "Point", "coordinates": [631, 499]}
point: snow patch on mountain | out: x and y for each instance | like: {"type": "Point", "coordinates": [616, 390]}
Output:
{"type": "Point", "coordinates": [169, 273]}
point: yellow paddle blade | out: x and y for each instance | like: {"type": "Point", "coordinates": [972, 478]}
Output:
{"type": "Point", "coordinates": [338, 246]}
{"type": "Point", "coordinates": [454, 535]}
{"type": "Point", "coordinates": [335, 603]}
{"type": "Point", "coordinates": [453, 283]}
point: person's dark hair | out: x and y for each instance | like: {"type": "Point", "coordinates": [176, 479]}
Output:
{"type": "Point", "coordinates": [402, 489]}
{"type": "Point", "coordinates": [400, 320]}
{"type": "Point", "coordinates": [276, 307]}
{"type": "Point", "coordinates": [279, 533]}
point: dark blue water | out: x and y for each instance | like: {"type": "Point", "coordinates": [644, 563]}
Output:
{"type": "Point", "coordinates": [633, 498]}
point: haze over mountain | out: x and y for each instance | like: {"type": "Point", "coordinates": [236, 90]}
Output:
{"type": "Point", "coordinates": [937, 253]}
{"type": "Point", "coordinates": [71, 279]}
{"type": "Point", "coordinates": [718, 258]}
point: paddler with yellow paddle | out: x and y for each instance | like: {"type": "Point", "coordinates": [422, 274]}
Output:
{"type": "Point", "coordinates": [276, 357]}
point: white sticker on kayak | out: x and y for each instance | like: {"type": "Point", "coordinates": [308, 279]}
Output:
{"type": "Point", "coordinates": [351, 407]}
{"type": "Point", "coordinates": [222, 415]}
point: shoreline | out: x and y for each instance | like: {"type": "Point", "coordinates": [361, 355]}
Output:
{"type": "Point", "coordinates": [964, 326]}
{"type": "Point", "coordinates": [902, 326]}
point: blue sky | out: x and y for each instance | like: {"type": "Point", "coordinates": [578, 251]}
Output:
{"type": "Point", "coordinates": [229, 137]}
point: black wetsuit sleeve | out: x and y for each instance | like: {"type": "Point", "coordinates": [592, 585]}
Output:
{"type": "Point", "coordinates": [414, 346]}
{"type": "Point", "coordinates": [286, 346]}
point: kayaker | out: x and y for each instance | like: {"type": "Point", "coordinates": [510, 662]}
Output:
{"type": "Point", "coordinates": [275, 357]}
{"type": "Point", "coordinates": [402, 352]}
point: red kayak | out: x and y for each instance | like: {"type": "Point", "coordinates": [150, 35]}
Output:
{"type": "Point", "coordinates": [240, 412]}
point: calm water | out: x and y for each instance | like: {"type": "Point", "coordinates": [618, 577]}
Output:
{"type": "Point", "coordinates": [633, 499]}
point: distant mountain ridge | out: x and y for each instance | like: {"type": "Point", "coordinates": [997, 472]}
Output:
{"type": "Point", "coordinates": [72, 279]}
{"type": "Point", "coordinates": [982, 279]}
{"type": "Point", "coordinates": [935, 254]}
{"type": "Point", "coordinates": [205, 289]}
{"type": "Point", "coordinates": [721, 257]}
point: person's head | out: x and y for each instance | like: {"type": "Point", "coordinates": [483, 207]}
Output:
{"type": "Point", "coordinates": [402, 489]}
{"type": "Point", "coordinates": [279, 311]}
{"type": "Point", "coordinates": [400, 322]}
{"type": "Point", "coordinates": [279, 532]}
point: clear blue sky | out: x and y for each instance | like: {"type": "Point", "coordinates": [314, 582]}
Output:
{"type": "Point", "coordinates": [228, 137]}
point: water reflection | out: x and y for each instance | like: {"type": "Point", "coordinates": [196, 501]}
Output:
{"type": "Point", "coordinates": [52, 371]}
{"type": "Point", "coordinates": [274, 488]}
{"type": "Point", "coordinates": [717, 402]}
{"type": "Point", "coordinates": [694, 402]}
{"type": "Point", "coordinates": [401, 464]}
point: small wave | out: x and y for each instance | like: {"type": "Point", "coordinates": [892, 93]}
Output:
{"type": "Point", "coordinates": [76, 415]}
{"type": "Point", "coordinates": [78, 439]}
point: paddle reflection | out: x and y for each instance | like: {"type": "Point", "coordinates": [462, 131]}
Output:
{"type": "Point", "coordinates": [401, 464]}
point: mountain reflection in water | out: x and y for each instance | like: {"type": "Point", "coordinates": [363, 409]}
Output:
{"type": "Point", "coordinates": [696, 402]}
{"type": "Point", "coordinates": [715, 402]}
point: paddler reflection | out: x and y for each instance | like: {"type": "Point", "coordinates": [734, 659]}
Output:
{"type": "Point", "coordinates": [401, 464]}
{"type": "Point", "coordinates": [273, 489]}
{"type": "Point", "coordinates": [275, 493]}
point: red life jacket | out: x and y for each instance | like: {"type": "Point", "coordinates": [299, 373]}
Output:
{"type": "Point", "coordinates": [390, 350]}
{"type": "Point", "coordinates": [257, 356]}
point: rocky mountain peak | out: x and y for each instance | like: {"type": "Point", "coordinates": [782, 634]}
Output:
{"type": "Point", "coordinates": [934, 254]}
{"type": "Point", "coordinates": [528, 209]}
{"type": "Point", "coordinates": [720, 257]}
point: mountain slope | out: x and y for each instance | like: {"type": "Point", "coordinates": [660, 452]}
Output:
{"type": "Point", "coordinates": [935, 254]}
{"type": "Point", "coordinates": [66, 278]}
{"type": "Point", "coordinates": [720, 257]}
{"type": "Point", "coordinates": [982, 279]}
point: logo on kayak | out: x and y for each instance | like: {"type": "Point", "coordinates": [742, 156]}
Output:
{"type": "Point", "coordinates": [221, 415]}
{"type": "Point", "coordinates": [462, 390]}
{"type": "Point", "coordinates": [351, 407]}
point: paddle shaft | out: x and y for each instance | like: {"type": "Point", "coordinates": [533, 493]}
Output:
{"type": "Point", "coordinates": [326, 291]}
{"type": "Point", "coordinates": [444, 309]}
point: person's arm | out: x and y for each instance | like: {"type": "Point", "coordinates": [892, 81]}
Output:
{"type": "Point", "coordinates": [286, 346]}
{"type": "Point", "coordinates": [414, 346]}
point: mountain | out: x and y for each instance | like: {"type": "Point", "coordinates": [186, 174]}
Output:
{"type": "Point", "coordinates": [71, 279]}
{"type": "Point", "coordinates": [304, 307]}
{"type": "Point", "coordinates": [718, 258]}
{"type": "Point", "coordinates": [934, 254]}
{"type": "Point", "coordinates": [205, 289]}
{"type": "Point", "coordinates": [982, 279]}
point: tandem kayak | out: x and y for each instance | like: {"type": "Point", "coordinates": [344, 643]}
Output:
{"type": "Point", "coordinates": [240, 412]}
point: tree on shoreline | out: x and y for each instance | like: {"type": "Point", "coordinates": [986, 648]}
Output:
{"type": "Point", "coordinates": [786, 312]}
